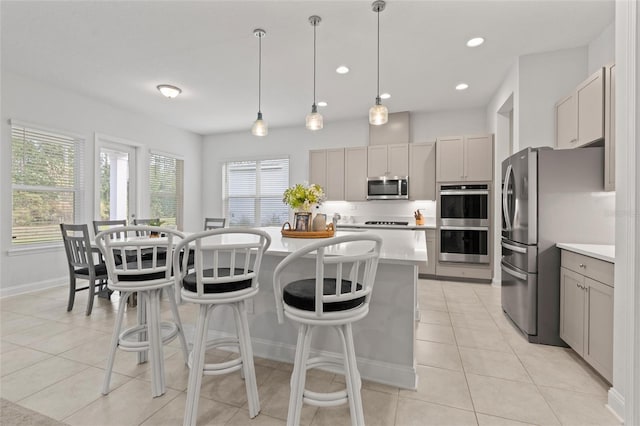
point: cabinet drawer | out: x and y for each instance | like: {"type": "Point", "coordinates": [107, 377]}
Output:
{"type": "Point", "coordinates": [596, 269]}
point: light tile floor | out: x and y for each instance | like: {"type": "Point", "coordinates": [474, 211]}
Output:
{"type": "Point", "coordinates": [474, 369]}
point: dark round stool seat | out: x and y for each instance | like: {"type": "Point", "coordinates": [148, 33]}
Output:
{"type": "Point", "coordinates": [301, 294]}
{"type": "Point", "coordinates": [189, 281]}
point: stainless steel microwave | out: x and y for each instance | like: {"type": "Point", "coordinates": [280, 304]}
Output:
{"type": "Point", "coordinates": [388, 188]}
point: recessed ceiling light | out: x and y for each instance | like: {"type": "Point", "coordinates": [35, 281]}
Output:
{"type": "Point", "coordinates": [322, 104]}
{"type": "Point", "coordinates": [169, 91]}
{"type": "Point", "coordinates": [385, 96]}
{"type": "Point", "coordinates": [475, 42]}
{"type": "Point", "coordinates": [342, 69]}
{"type": "Point", "coordinates": [462, 86]}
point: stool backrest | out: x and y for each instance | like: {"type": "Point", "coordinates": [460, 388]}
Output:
{"type": "Point", "coordinates": [239, 249]}
{"type": "Point", "coordinates": [77, 245]}
{"type": "Point", "coordinates": [214, 223]}
{"type": "Point", "coordinates": [348, 257]}
{"type": "Point", "coordinates": [147, 259]}
{"type": "Point", "coordinates": [101, 225]}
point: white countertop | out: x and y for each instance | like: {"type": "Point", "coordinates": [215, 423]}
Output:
{"type": "Point", "coordinates": [397, 247]}
{"type": "Point", "coordinates": [604, 252]}
{"type": "Point", "coordinates": [410, 227]}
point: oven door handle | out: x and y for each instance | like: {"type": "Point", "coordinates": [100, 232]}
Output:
{"type": "Point", "coordinates": [464, 228]}
{"type": "Point", "coordinates": [514, 248]}
{"type": "Point", "coordinates": [470, 192]}
{"type": "Point", "coordinates": [511, 271]}
{"type": "Point", "coordinates": [505, 204]}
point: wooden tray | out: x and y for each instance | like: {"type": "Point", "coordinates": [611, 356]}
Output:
{"type": "Point", "coordinates": [290, 233]}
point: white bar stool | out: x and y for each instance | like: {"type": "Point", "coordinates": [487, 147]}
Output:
{"type": "Point", "coordinates": [142, 265]}
{"type": "Point", "coordinates": [352, 261]}
{"type": "Point", "coordinates": [232, 257]}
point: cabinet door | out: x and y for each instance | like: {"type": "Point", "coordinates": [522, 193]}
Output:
{"type": "Point", "coordinates": [591, 109]}
{"type": "Point", "coordinates": [567, 122]}
{"type": "Point", "coordinates": [449, 159]}
{"type": "Point", "coordinates": [398, 159]}
{"type": "Point", "coordinates": [355, 172]}
{"type": "Point", "coordinates": [431, 251]}
{"type": "Point", "coordinates": [478, 158]}
{"type": "Point", "coordinates": [598, 346]}
{"type": "Point", "coordinates": [572, 309]}
{"type": "Point", "coordinates": [318, 167]}
{"type": "Point", "coordinates": [422, 171]}
{"type": "Point", "coordinates": [377, 161]}
{"type": "Point", "coordinates": [335, 174]}
{"type": "Point", "coordinates": [610, 129]}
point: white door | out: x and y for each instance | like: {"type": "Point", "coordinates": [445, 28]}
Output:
{"type": "Point", "coordinates": [116, 180]}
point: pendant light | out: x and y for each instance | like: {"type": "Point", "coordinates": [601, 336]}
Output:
{"type": "Point", "coordinates": [314, 118]}
{"type": "Point", "coordinates": [259, 127]}
{"type": "Point", "coordinates": [378, 114]}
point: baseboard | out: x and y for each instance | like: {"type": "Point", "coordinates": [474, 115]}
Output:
{"type": "Point", "coordinates": [381, 372]}
{"type": "Point", "coordinates": [496, 283]}
{"type": "Point", "coordinates": [31, 287]}
{"type": "Point", "coordinates": [616, 404]}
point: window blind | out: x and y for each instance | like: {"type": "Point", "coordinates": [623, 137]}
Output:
{"type": "Point", "coordinates": [166, 188]}
{"type": "Point", "coordinates": [47, 176]}
{"type": "Point", "coordinates": [252, 193]}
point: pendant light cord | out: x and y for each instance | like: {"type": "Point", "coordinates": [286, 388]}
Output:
{"type": "Point", "coordinates": [378, 14]}
{"type": "Point", "coordinates": [314, 63]}
{"type": "Point", "coordinates": [259, 72]}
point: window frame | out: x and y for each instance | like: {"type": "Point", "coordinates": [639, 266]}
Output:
{"type": "Point", "coordinates": [256, 198]}
{"type": "Point", "coordinates": [79, 184]}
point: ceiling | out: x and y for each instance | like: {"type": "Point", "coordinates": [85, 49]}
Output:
{"type": "Point", "coordinates": [118, 52]}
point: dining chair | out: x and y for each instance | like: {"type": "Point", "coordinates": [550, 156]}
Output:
{"type": "Point", "coordinates": [149, 277]}
{"type": "Point", "coordinates": [101, 225]}
{"type": "Point", "coordinates": [232, 257]}
{"type": "Point", "coordinates": [214, 223]}
{"type": "Point", "coordinates": [146, 222]}
{"type": "Point", "coordinates": [338, 295]}
{"type": "Point", "coordinates": [77, 246]}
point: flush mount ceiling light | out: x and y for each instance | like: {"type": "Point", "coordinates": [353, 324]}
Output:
{"type": "Point", "coordinates": [168, 90]}
{"type": "Point", "coordinates": [378, 114]}
{"type": "Point", "coordinates": [259, 127]}
{"type": "Point", "coordinates": [385, 96]}
{"type": "Point", "coordinates": [342, 69]}
{"type": "Point", "coordinates": [462, 86]}
{"type": "Point", "coordinates": [475, 42]}
{"type": "Point", "coordinates": [314, 118]}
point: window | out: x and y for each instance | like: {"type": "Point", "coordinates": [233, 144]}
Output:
{"type": "Point", "coordinates": [252, 192]}
{"type": "Point", "coordinates": [47, 183]}
{"type": "Point", "coordinates": [166, 177]}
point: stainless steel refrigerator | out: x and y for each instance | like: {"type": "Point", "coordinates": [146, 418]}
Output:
{"type": "Point", "coordinates": [548, 196]}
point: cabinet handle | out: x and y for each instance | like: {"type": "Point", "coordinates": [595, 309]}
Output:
{"type": "Point", "coordinates": [573, 140]}
{"type": "Point", "coordinates": [582, 265]}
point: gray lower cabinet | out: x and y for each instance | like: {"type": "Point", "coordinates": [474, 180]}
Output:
{"type": "Point", "coordinates": [586, 309]}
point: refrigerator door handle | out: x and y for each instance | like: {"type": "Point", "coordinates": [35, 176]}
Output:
{"type": "Point", "coordinates": [514, 248]}
{"type": "Point", "coordinates": [505, 204]}
{"type": "Point", "coordinates": [509, 270]}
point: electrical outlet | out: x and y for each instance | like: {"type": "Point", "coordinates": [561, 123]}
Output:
{"type": "Point", "coordinates": [249, 305]}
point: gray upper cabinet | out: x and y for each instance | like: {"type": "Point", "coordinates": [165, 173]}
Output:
{"type": "Point", "coordinates": [464, 158]}
{"type": "Point", "coordinates": [580, 115]}
{"type": "Point", "coordinates": [422, 171]}
{"type": "Point", "coordinates": [388, 160]}
{"type": "Point", "coordinates": [326, 168]}
{"type": "Point", "coordinates": [355, 172]}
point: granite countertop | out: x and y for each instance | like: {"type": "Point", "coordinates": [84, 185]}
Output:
{"type": "Point", "coordinates": [604, 252]}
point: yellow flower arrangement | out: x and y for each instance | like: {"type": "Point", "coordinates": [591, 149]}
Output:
{"type": "Point", "coordinates": [301, 197]}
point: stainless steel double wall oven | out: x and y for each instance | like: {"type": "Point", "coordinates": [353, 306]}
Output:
{"type": "Point", "coordinates": [463, 221]}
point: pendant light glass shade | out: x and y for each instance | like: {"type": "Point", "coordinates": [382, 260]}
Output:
{"type": "Point", "coordinates": [259, 127]}
{"type": "Point", "coordinates": [378, 114]}
{"type": "Point", "coordinates": [314, 119]}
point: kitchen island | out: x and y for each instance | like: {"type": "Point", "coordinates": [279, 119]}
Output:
{"type": "Point", "coordinates": [384, 340]}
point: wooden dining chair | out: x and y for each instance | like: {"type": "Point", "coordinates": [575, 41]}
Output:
{"type": "Point", "coordinates": [77, 246]}
{"type": "Point", "coordinates": [214, 223]}
{"type": "Point", "coordinates": [101, 225]}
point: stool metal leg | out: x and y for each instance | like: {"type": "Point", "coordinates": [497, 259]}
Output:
{"type": "Point", "coordinates": [352, 376]}
{"type": "Point", "coordinates": [155, 342]}
{"type": "Point", "coordinates": [141, 313]}
{"type": "Point", "coordinates": [197, 366]}
{"type": "Point", "coordinates": [246, 354]}
{"type": "Point", "coordinates": [176, 319]}
{"type": "Point", "coordinates": [298, 377]}
{"type": "Point", "coordinates": [115, 337]}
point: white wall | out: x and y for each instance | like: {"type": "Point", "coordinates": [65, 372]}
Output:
{"type": "Point", "coordinates": [296, 142]}
{"type": "Point", "coordinates": [544, 78]}
{"type": "Point", "coordinates": [602, 49]}
{"type": "Point", "coordinates": [51, 107]}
